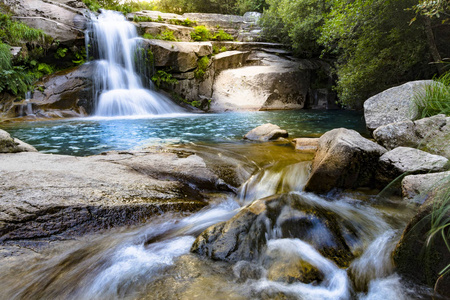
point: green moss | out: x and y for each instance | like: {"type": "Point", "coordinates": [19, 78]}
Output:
{"type": "Point", "coordinates": [203, 64]}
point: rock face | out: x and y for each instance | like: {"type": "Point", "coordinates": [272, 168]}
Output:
{"type": "Point", "coordinates": [403, 160]}
{"type": "Point", "coordinates": [276, 83]}
{"type": "Point", "coordinates": [11, 145]}
{"type": "Point", "coordinates": [418, 187]}
{"type": "Point", "coordinates": [428, 134]}
{"type": "Point", "coordinates": [40, 199]}
{"type": "Point", "coordinates": [421, 259]}
{"type": "Point", "coordinates": [393, 105]}
{"type": "Point", "coordinates": [344, 159]}
{"type": "Point", "coordinates": [244, 236]}
{"type": "Point", "coordinates": [266, 133]}
{"type": "Point", "coordinates": [61, 19]}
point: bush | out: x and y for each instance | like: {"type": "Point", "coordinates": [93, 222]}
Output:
{"type": "Point", "coordinates": [201, 33]}
{"type": "Point", "coordinates": [222, 36]}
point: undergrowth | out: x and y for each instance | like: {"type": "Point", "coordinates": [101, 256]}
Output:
{"type": "Point", "coordinates": [436, 98]}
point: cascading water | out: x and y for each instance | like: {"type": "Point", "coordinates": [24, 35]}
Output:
{"type": "Point", "coordinates": [119, 90]}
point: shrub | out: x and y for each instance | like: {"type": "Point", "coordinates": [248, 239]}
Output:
{"type": "Point", "coordinates": [203, 64]}
{"type": "Point", "coordinates": [163, 77]}
{"type": "Point", "coordinates": [222, 36]}
{"type": "Point", "coordinates": [166, 35]}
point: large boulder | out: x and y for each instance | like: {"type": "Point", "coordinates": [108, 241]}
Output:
{"type": "Point", "coordinates": [417, 188]}
{"type": "Point", "coordinates": [244, 237]}
{"type": "Point", "coordinates": [276, 83]}
{"type": "Point", "coordinates": [266, 132]}
{"type": "Point", "coordinates": [12, 145]}
{"type": "Point", "coordinates": [344, 159]}
{"type": "Point", "coordinates": [428, 134]}
{"type": "Point", "coordinates": [67, 93]}
{"type": "Point", "coordinates": [56, 196]}
{"type": "Point", "coordinates": [404, 160]}
{"type": "Point", "coordinates": [61, 19]}
{"type": "Point", "coordinates": [419, 255]}
{"type": "Point", "coordinates": [393, 105]}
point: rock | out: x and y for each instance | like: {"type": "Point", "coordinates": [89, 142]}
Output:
{"type": "Point", "coordinates": [230, 60]}
{"type": "Point", "coordinates": [403, 160]}
{"type": "Point", "coordinates": [393, 105]}
{"type": "Point", "coordinates": [417, 188]}
{"type": "Point", "coordinates": [180, 56]}
{"type": "Point", "coordinates": [10, 145]}
{"type": "Point", "coordinates": [181, 33]}
{"type": "Point", "coordinates": [244, 236]}
{"type": "Point", "coordinates": [66, 93]}
{"type": "Point", "coordinates": [306, 145]}
{"type": "Point", "coordinates": [277, 83]}
{"type": "Point", "coordinates": [416, 256]}
{"type": "Point", "coordinates": [266, 133]}
{"type": "Point", "coordinates": [428, 134]}
{"type": "Point", "coordinates": [46, 196]}
{"type": "Point", "coordinates": [344, 159]}
{"type": "Point", "coordinates": [56, 18]}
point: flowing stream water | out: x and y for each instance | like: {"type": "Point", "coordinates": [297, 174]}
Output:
{"type": "Point", "coordinates": [153, 261]}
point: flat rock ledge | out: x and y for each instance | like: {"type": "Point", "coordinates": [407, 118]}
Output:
{"type": "Point", "coordinates": [266, 133]}
{"type": "Point", "coordinates": [55, 197]}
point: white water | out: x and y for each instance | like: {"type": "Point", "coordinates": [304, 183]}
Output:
{"type": "Point", "coordinates": [119, 89]}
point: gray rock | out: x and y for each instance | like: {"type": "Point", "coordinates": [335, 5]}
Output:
{"type": "Point", "coordinates": [181, 33]}
{"type": "Point", "coordinates": [344, 159]}
{"type": "Point", "coordinates": [418, 188]}
{"type": "Point", "coordinates": [180, 56]}
{"type": "Point", "coordinates": [393, 105]}
{"type": "Point", "coordinates": [276, 83]}
{"type": "Point", "coordinates": [428, 134]}
{"type": "Point", "coordinates": [265, 133]}
{"type": "Point", "coordinates": [244, 236]}
{"type": "Point", "coordinates": [409, 257]}
{"type": "Point", "coordinates": [56, 18]}
{"type": "Point", "coordinates": [404, 160]}
{"type": "Point", "coordinates": [11, 145]}
{"type": "Point", "coordinates": [46, 196]}
{"type": "Point", "coordinates": [230, 60]}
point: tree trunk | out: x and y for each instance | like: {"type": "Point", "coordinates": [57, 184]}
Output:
{"type": "Point", "coordinates": [432, 45]}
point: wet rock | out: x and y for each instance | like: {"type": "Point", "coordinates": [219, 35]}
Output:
{"type": "Point", "coordinates": [418, 257]}
{"type": "Point", "coordinates": [404, 160]}
{"type": "Point", "coordinates": [40, 198]}
{"type": "Point", "coordinates": [244, 236]}
{"type": "Point", "coordinates": [290, 271]}
{"type": "Point", "coordinates": [344, 159]}
{"type": "Point", "coordinates": [266, 133]}
{"type": "Point", "coordinates": [12, 145]}
{"type": "Point", "coordinates": [306, 145]}
{"type": "Point", "coordinates": [417, 188]}
{"type": "Point", "coordinates": [428, 134]}
{"type": "Point", "coordinates": [393, 105]}
{"type": "Point", "coordinates": [180, 56]}
{"type": "Point", "coordinates": [59, 18]}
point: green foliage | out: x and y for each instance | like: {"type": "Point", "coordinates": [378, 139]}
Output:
{"type": "Point", "coordinates": [142, 19]}
{"type": "Point", "coordinates": [222, 36]}
{"type": "Point", "coordinates": [163, 77]}
{"type": "Point", "coordinates": [203, 64]}
{"type": "Point", "coordinates": [186, 22]}
{"type": "Point", "coordinates": [80, 57]}
{"type": "Point", "coordinates": [434, 9]}
{"type": "Point", "coordinates": [436, 99]}
{"type": "Point", "coordinates": [201, 33]}
{"type": "Point", "coordinates": [16, 33]}
{"type": "Point", "coordinates": [60, 53]}
{"type": "Point", "coordinates": [125, 7]}
{"type": "Point", "coordinates": [167, 35]}
{"type": "Point", "coordinates": [296, 23]}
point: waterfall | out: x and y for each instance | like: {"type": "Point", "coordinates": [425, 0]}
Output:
{"type": "Point", "coordinates": [119, 89]}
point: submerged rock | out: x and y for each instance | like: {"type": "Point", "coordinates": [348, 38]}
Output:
{"type": "Point", "coordinates": [404, 160]}
{"type": "Point", "coordinates": [12, 145]}
{"type": "Point", "coordinates": [429, 134]}
{"type": "Point", "coordinates": [266, 133]}
{"type": "Point", "coordinates": [344, 159]}
{"type": "Point", "coordinates": [420, 256]}
{"type": "Point", "coordinates": [393, 105]}
{"type": "Point", "coordinates": [244, 237]}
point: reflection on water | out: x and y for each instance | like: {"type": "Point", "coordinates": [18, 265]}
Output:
{"type": "Point", "coordinates": [92, 136]}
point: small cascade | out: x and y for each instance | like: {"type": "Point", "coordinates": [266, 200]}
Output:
{"type": "Point", "coordinates": [119, 89]}
{"type": "Point", "coordinates": [26, 109]}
